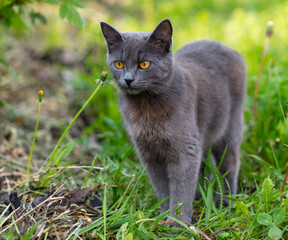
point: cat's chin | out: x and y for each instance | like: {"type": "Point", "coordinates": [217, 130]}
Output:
{"type": "Point", "coordinates": [132, 91]}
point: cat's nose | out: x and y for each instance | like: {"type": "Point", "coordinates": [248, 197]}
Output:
{"type": "Point", "coordinates": [128, 79]}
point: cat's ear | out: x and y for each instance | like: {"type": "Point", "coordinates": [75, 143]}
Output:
{"type": "Point", "coordinates": [162, 35]}
{"type": "Point", "coordinates": [112, 36]}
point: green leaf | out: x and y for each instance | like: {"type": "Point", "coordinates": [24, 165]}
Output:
{"type": "Point", "coordinates": [178, 209]}
{"type": "Point", "coordinates": [14, 19]}
{"type": "Point", "coordinates": [63, 152]}
{"type": "Point", "coordinates": [140, 215]}
{"type": "Point", "coordinates": [2, 105]}
{"type": "Point", "coordinates": [123, 231]}
{"type": "Point", "coordinates": [278, 215]}
{"type": "Point", "coordinates": [37, 16]}
{"type": "Point", "coordinates": [241, 207]}
{"type": "Point", "coordinates": [264, 219]}
{"type": "Point", "coordinates": [267, 188]}
{"type": "Point", "coordinates": [4, 3]}
{"type": "Point", "coordinates": [224, 235]}
{"type": "Point", "coordinates": [69, 12]}
{"type": "Point", "coordinates": [274, 233]}
{"type": "Point", "coordinates": [76, 3]}
{"type": "Point", "coordinates": [129, 236]}
{"type": "Point", "coordinates": [53, 1]}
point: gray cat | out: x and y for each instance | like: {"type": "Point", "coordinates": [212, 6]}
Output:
{"type": "Point", "coordinates": [176, 107]}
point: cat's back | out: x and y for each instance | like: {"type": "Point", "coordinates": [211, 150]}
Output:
{"type": "Point", "coordinates": [207, 52]}
{"type": "Point", "coordinates": [220, 63]}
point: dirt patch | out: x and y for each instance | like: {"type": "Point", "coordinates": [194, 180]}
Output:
{"type": "Point", "coordinates": [56, 213]}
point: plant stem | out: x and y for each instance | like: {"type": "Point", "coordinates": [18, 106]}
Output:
{"type": "Point", "coordinates": [259, 77]}
{"type": "Point", "coordinates": [34, 138]}
{"type": "Point", "coordinates": [71, 123]}
{"type": "Point", "coordinates": [283, 185]}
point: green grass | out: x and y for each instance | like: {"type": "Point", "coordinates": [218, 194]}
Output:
{"type": "Point", "coordinates": [129, 202]}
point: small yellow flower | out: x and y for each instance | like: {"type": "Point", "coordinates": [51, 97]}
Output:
{"type": "Point", "coordinates": [103, 75]}
{"type": "Point", "coordinates": [40, 94]}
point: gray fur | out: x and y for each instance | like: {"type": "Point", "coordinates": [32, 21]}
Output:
{"type": "Point", "coordinates": [174, 110]}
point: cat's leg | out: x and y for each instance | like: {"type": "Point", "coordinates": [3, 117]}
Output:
{"type": "Point", "coordinates": [231, 140]}
{"type": "Point", "coordinates": [201, 177]}
{"type": "Point", "coordinates": [157, 174]}
{"type": "Point", "coordinates": [231, 163]}
{"type": "Point", "coordinates": [183, 176]}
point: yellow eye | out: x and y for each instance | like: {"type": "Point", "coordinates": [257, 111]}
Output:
{"type": "Point", "coordinates": [144, 64]}
{"type": "Point", "coordinates": [119, 64]}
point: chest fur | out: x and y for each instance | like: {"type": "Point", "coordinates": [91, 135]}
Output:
{"type": "Point", "coordinates": [146, 118]}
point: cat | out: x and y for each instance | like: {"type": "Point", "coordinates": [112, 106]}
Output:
{"type": "Point", "coordinates": [177, 106]}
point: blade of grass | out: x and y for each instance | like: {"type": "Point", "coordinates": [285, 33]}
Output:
{"type": "Point", "coordinates": [2, 219]}
{"type": "Point", "coordinates": [95, 224]}
{"type": "Point", "coordinates": [200, 218]}
{"type": "Point", "coordinates": [16, 227]}
{"type": "Point", "coordinates": [6, 218]}
{"type": "Point", "coordinates": [145, 232]}
{"type": "Point", "coordinates": [283, 114]}
{"type": "Point", "coordinates": [161, 216]}
{"type": "Point", "coordinates": [40, 93]}
{"type": "Point", "coordinates": [274, 157]}
{"type": "Point", "coordinates": [123, 207]}
{"type": "Point", "coordinates": [209, 203]}
{"type": "Point", "coordinates": [158, 204]}
{"type": "Point", "coordinates": [105, 210]}
{"type": "Point", "coordinates": [260, 160]}
{"type": "Point", "coordinates": [118, 203]}
{"type": "Point", "coordinates": [91, 169]}
{"type": "Point", "coordinates": [126, 155]}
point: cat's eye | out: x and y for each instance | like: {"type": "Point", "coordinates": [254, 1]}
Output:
{"type": "Point", "coordinates": [144, 64]}
{"type": "Point", "coordinates": [119, 65]}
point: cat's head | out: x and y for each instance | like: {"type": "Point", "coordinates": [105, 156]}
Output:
{"type": "Point", "coordinates": [140, 61]}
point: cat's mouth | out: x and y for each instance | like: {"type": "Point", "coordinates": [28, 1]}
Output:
{"type": "Point", "coordinates": [133, 91]}
{"type": "Point", "coordinates": [130, 89]}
